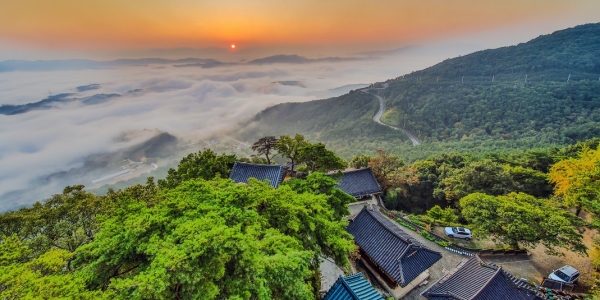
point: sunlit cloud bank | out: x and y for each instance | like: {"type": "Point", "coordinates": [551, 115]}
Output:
{"type": "Point", "coordinates": [190, 102]}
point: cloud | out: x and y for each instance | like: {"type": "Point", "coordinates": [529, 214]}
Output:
{"type": "Point", "coordinates": [190, 103]}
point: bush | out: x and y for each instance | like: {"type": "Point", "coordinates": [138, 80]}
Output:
{"type": "Point", "coordinates": [401, 222]}
{"type": "Point", "coordinates": [427, 235]}
{"type": "Point", "coordinates": [425, 219]}
{"type": "Point", "coordinates": [442, 243]}
{"type": "Point", "coordinates": [416, 220]}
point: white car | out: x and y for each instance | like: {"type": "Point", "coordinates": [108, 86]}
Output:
{"type": "Point", "coordinates": [566, 274]}
{"type": "Point", "coordinates": [458, 232]}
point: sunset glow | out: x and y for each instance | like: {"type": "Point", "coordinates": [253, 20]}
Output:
{"type": "Point", "coordinates": [112, 25]}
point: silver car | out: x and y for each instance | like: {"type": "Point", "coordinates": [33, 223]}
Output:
{"type": "Point", "coordinates": [458, 232]}
{"type": "Point", "coordinates": [565, 274]}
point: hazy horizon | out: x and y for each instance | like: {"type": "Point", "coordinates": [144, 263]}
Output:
{"type": "Point", "coordinates": [104, 30]}
{"type": "Point", "coordinates": [44, 131]}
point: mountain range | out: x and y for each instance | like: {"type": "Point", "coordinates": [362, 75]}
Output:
{"type": "Point", "coordinates": [545, 92]}
{"type": "Point", "coordinates": [85, 64]}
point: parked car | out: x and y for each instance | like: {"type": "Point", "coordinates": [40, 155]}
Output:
{"type": "Point", "coordinates": [566, 274]}
{"type": "Point", "coordinates": [458, 232]}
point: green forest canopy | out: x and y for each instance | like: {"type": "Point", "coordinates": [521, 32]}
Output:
{"type": "Point", "coordinates": [473, 114]}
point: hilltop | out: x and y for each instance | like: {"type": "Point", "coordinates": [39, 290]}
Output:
{"type": "Point", "coordinates": [541, 93]}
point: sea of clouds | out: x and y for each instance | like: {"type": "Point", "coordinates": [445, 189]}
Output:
{"type": "Point", "coordinates": [188, 102]}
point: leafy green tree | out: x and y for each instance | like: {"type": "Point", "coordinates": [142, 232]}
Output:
{"type": "Point", "coordinates": [319, 158]}
{"type": "Point", "coordinates": [529, 181]}
{"type": "Point", "coordinates": [65, 221]}
{"type": "Point", "coordinates": [518, 219]}
{"type": "Point", "coordinates": [436, 213]}
{"type": "Point", "coordinates": [290, 148]}
{"type": "Point", "coordinates": [215, 240]}
{"type": "Point", "coordinates": [253, 159]}
{"type": "Point", "coordinates": [360, 161]}
{"type": "Point", "coordinates": [446, 215]}
{"type": "Point", "coordinates": [23, 276]}
{"type": "Point", "coordinates": [319, 184]}
{"type": "Point", "coordinates": [204, 164]}
{"type": "Point", "coordinates": [265, 146]}
{"type": "Point", "coordinates": [480, 176]}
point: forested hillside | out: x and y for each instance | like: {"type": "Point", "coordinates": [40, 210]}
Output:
{"type": "Point", "coordinates": [540, 93]}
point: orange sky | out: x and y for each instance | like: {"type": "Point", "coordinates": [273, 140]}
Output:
{"type": "Point", "coordinates": [86, 25]}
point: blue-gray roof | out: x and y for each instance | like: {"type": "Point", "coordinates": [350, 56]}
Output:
{"type": "Point", "coordinates": [354, 287]}
{"type": "Point", "coordinates": [473, 279]}
{"type": "Point", "coordinates": [394, 251]}
{"type": "Point", "coordinates": [241, 172]}
{"type": "Point", "coordinates": [359, 182]}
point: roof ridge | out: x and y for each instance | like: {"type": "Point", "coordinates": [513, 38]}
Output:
{"type": "Point", "coordinates": [452, 271]}
{"type": "Point", "coordinates": [516, 282]}
{"type": "Point", "coordinates": [399, 259]}
{"type": "Point", "coordinates": [356, 170]}
{"type": "Point", "coordinates": [258, 165]}
{"type": "Point", "coordinates": [498, 271]}
{"type": "Point", "coordinates": [370, 212]}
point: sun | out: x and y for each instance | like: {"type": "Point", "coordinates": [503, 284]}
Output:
{"type": "Point", "coordinates": [232, 46]}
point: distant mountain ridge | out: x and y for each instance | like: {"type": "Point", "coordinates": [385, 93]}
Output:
{"type": "Point", "coordinates": [296, 59]}
{"type": "Point", "coordinates": [535, 94]}
{"type": "Point", "coordinates": [82, 64]}
{"type": "Point", "coordinates": [85, 64]}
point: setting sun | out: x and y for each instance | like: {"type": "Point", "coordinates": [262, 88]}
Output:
{"type": "Point", "coordinates": [232, 46]}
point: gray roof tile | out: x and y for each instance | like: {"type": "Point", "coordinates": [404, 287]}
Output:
{"type": "Point", "coordinates": [241, 172]}
{"type": "Point", "coordinates": [473, 279]}
{"type": "Point", "coordinates": [359, 182]}
{"type": "Point", "coordinates": [400, 256]}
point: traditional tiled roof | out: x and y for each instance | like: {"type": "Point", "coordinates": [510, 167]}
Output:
{"type": "Point", "coordinates": [354, 287]}
{"type": "Point", "coordinates": [394, 251]}
{"type": "Point", "coordinates": [359, 182]}
{"type": "Point", "coordinates": [473, 279]}
{"type": "Point", "coordinates": [241, 172]}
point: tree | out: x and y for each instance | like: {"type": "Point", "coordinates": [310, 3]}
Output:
{"type": "Point", "coordinates": [384, 164]}
{"type": "Point", "coordinates": [204, 164]}
{"type": "Point", "coordinates": [529, 181]}
{"type": "Point", "coordinates": [360, 161]}
{"type": "Point", "coordinates": [265, 146]}
{"type": "Point", "coordinates": [23, 276]}
{"type": "Point", "coordinates": [319, 158]}
{"type": "Point", "coordinates": [65, 221]}
{"type": "Point", "coordinates": [320, 184]}
{"type": "Point", "coordinates": [436, 213]}
{"type": "Point", "coordinates": [480, 176]}
{"type": "Point", "coordinates": [520, 219]}
{"type": "Point", "coordinates": [446, 215]}
{"type": "Point", "coordinates": [577, 181]}
{"type": "Point", "coordinates": [290, 148]}
{"type": "Point", "coordinates": [216, 240]}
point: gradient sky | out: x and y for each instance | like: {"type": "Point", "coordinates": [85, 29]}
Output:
{"type": "Point", "coordinates": [104, 26]}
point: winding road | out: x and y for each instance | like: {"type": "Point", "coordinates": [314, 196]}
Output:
{"type": "Point", "coordinates": [377, 118]}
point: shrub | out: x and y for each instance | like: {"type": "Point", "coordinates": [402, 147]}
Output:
{"type": "Point", "coordinates": [401, 222]}
{"type": "Point", "coordinates": [415, 219]}
{"type": "Point", "coordinates": [427, 235]}
{"type": "Point", "coordinates": [442, 243]}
